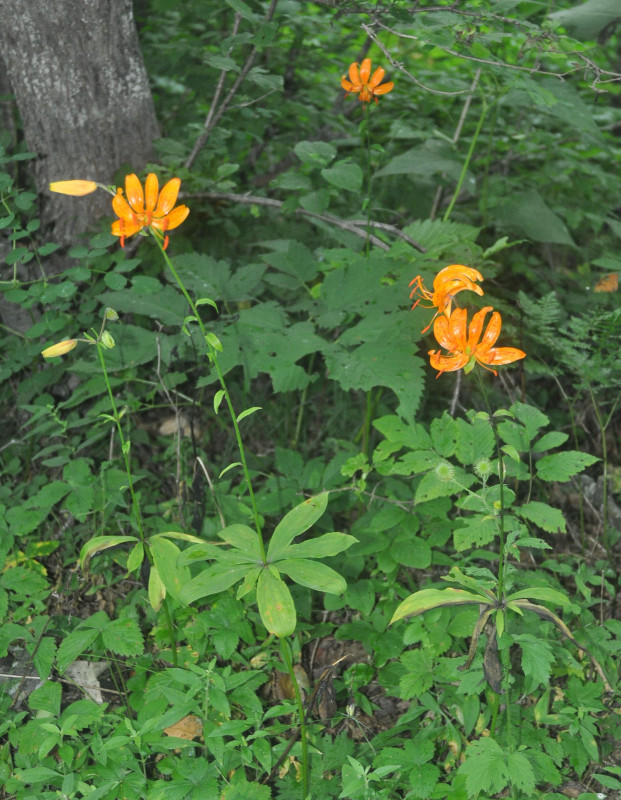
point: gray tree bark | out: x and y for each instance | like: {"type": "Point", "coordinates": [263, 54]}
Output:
{"type": "Point", "coordinates": [80, 85]}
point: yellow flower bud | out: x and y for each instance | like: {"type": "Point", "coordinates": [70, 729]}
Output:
{"type": "Point", "coordinates": [75, 188]}
{"type": "Point", "coordinates": [59, 349]}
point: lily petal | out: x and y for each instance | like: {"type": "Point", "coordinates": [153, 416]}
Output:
{"type": "Point", "coordinates": [151, 187]}
{"type": "Point", "coordinates": [365, 71]}
{"type": "Point", "coordinates": [172, 220]}
{"type": "Point", "coordinates": [384, 88]}
{"type": "Point", "coordinates": [122, 209]}
{"type": "Point", "coordinates": [354, 74]}
{"type": "Point", "coordinates": [168, 197]}
{"type": "Point", "coordinates": [376, 78]}
{"type": "Point", "coordinates": [135, 195]}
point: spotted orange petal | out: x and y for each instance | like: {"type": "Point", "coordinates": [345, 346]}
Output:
{"type": "Point", "coordinates": [172, 220]}
{"type": "Point", "coordinates": [134, 192]}
{"type": "Point", "coordinates": [122, 208]}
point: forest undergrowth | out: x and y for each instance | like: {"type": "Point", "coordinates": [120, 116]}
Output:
{"type": "Point", "coordinates": [311, 480]}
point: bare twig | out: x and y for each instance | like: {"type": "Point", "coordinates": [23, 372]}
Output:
{"type": "Point", "coordinates": [368, 29]}
{"type": "Point", "coordinates": [215, 113]}
{"type": "Point", "coordinates": [584, 62]}
{"type": "Point", "coordinates": [352, 226]}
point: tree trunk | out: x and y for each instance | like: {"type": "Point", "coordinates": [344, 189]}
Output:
{"type": "Point", "coordinates": [76, 71]}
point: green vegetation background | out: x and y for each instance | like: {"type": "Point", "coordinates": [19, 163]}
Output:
{"type": "Point", "coordinates": [498, 148]}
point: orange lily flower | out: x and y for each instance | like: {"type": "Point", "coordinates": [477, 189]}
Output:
{"type": "Point", "coordinates": [147, 209]}
{"type": "Point", "coordinates": [466, 348]}
{"type": "Point", "coordinates": [447, 283]}
{"type": "Point", "coordinates": [365, 85]}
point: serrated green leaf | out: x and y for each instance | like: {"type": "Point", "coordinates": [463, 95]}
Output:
{"type": "Point", "coordinates": [544, 516]}
{"type": "Point", "coordinates": [344, 175]}
{"type": "Point", "coordinates": [73, 645]}
{"type": "Point", "coordinates": [419, 675]}
{"type": "Point", "coordinates": [485, 767]}
{"type": "Point", "coordinates": [43, 656]}
{"type": "Point", "coordinates": [563, 466]}
{"type": "Point", "coordinates": [549, 441]}
{"type": "Point", "coordinates": [537, 659]}
{"type": "Point", "coordinates": [123, 637]}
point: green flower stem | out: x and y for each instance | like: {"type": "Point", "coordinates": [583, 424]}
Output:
{"type": "Point", "coordinates": [125, 446]}
{"type": "Point", "coordinates": [501, 485]}
{"type": "Point", "coordinates": [464, 169]}
{"type": "Point", "coordinates": [214, 359]}
{"type": "Point", "coordinates": [366, 143]}
{"type": "Point", "coordinates": [285, 652]}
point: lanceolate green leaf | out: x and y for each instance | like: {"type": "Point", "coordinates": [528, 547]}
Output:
{"type": "Point", "coordinates": [298, 520]}
{"type": "Point", "coordinates": [243, 538]}
{"type": "Point", "coordinates": [276, 605]}
{"type": "Point", "coordinates": [313, 574]}
{"type": "Point", "coordinates": [212, 580]}
{"type": "Point", "coordinates": [542, 593]}
{"type": "Point", "coordinates": [174, 576]}
{"type": "Point", "coordinates": [100, 543]}
{"type": "Point", "coordinates": [426, 599]}
{"type": "Point", "coordinates": [330, 544]}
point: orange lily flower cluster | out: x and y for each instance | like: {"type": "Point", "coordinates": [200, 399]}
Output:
{"type": "Point", "coordinates": [466, 345]}
{"type": "Point", "coordinates": [148, 208]}
{"type": "Point", "coordinates": [365, 85]}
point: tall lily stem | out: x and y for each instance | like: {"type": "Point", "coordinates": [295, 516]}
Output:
{"type": "Point", "coordinates": [502, 554]}
{"type": "Point", "coordinates": [125, 448]}
{"type": "Point", "coordinates": [285, 652]}
{"type": "Point", "coordinates": [466, 164]}
{"type": "Point", "coordinates": [213, 357]}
